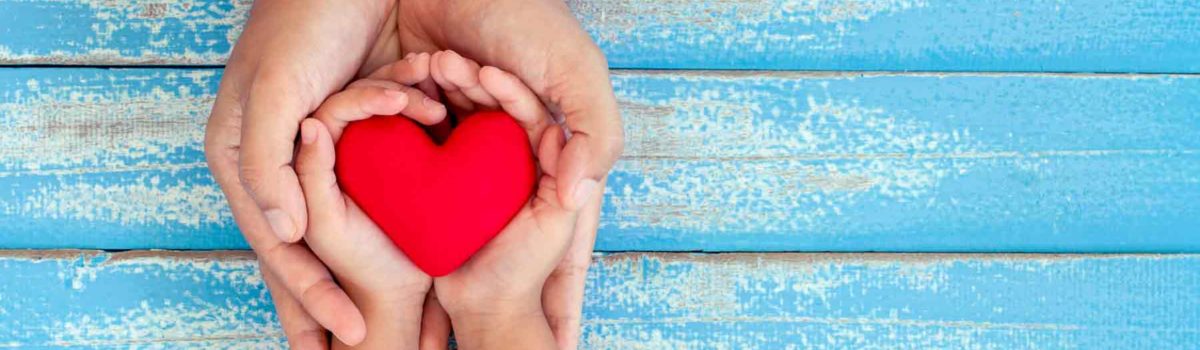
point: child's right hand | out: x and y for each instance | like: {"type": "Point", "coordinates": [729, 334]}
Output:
{"type": "Point", "coordinates": [382, 282]}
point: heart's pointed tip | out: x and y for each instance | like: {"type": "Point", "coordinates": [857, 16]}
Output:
{"type": "Point", "coordinates": [439, 274]}
{"type": "Point", "coordinates": [439, 271]}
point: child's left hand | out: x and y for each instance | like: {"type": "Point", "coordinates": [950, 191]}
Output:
{"type": "Point", "coordinates": [496, 299]}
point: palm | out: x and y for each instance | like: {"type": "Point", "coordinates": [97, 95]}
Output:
{"type": "Point", "coordinates": [387, 272]}
{"type": "Point", "coordinates": [516, 261]}
{"type": "Point", "coordinates": [542, 62]}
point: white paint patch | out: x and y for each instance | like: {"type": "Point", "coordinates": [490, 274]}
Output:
{"type": "Point", "coordinates": [175, 323]}
{"type": "Point", "coordinates": [99, 124]}
{"type": "Point", "coordinates": [140, 203]}
{"type": "Point", "coordinates": [89, 123]}
{"type": "Point", "coordinates": [737, 156]}
{"type": "Point", "coordinates": [240, 274]}
{"type": "Point", "coordinates": [112, 21]}
{"type": "Point", "coordinates": [767, 24]}
{"type": "Point", "coordinates": [168, 300]}
{"type": "Point", "coordinates": [184, 319]}
{"type": "Point", "coordinates": [669, 292]}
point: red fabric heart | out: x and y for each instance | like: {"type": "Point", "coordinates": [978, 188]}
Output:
{"type": "Point", "coordinates": [439, 204]}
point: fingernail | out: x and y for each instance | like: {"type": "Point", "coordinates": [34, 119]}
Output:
{"type": "Point", "coordinates": [308, 133]}
{"type": "Point", "coordinates": [584, 191]}
{"type": "Point", "coordinates": [430, 103]}
{"type": "Point", "coordinates": [281, 223]}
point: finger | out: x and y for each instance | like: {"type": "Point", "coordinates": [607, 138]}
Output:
{"type": "Point", "coordinates": [300, 273]}
{"type": "Point", "coordinates": [463, 73]}
{"type": "Point", "coordinates": [413, 69]}
{"type": "Point", "coordinates": [435, 325]}
{"type": "Point", "coordinates": [517, 100]}
{"type": "Point", "coordinates": [548, 150]}
{"type": "Point", "coordinates": [391, 321]}
{"type": "Point", "coordinates": [367, 98]}
{"type": "Point", "coordinates": [327, 209]}
{"type": "Point", "coordinates": [458, 101]}
{"type": "Point", "coordinates": [314, 165]}
{"type": "Point", "coordinates": [416, 73]}
{"type": "Point", "coordinates": [562, 295]}
{"type": "Point", "coordinates": [552, 216]}
{"type": "Point", "coordinates": [302, 332]}
{"type": "Point", "coordinates": [293, 266]}
{"type": "Point", "coordinates": [429, 87]}
{"type": "Point", "coordinates": [597, 138]}
{"type": "Point", "coordinates": [306, 279]}
{"type": "Point", "coordinates": [273, 113]}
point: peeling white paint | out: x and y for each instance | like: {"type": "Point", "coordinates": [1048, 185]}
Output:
{"type": "Point", "coordinates": [752, 173]}
{"type": "Point", "coordinates": [112, 20]}
{"type": "Point", "coordinates": [757, 25]}
{"type": "Point", "coordinates": [182, 204]}
{"type": "Point", "coordinates": [72, 126]}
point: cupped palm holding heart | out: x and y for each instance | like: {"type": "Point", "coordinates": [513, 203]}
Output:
{"type": "Point", "coordinates": [440, 204]}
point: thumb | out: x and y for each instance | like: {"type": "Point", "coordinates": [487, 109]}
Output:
{"type": "Point", "coordinates": [595, 139]}
{"type": "Point", "coordinates": [269, 131]}
{"type": "Point", "coordinates": [552, 213]}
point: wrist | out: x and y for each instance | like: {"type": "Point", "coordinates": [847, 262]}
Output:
{"type": "Point", "coordinates": [495, 299]}
{"type": "Point", "coordinates": [494, 308]}
{"type": "Point", "coordinates": [503, 326]}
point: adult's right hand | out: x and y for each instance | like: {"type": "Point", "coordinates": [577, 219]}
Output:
{"type": "Point", "coordinates": [291, 55]}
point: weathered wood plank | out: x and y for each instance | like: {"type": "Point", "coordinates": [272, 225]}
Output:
{"type": "Point", "coordinates": [948, 35]}
{"type": "Point", "coordinates": [109, 159]}
{"type": "Point", "coordinates": [714, 161]}
{"type": "Point", "coordinates": [66, 299]}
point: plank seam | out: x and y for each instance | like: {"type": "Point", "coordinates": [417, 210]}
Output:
{"type": "Point", "coordinates": [732, 72]}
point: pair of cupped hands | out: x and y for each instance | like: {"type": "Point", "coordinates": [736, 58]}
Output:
{"type": "Point", "coordinates": [287, 94]}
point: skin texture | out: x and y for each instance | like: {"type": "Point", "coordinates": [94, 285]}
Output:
{"type": "Point", "coordinates": [388, 288]}
{"type": "Point", "coordinates": [494, 300]}
{"type": "Point", "coordinates": [292, 55]}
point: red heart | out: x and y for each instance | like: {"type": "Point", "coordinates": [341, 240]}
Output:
{"type": "Point", "coordinates": [439, 204]}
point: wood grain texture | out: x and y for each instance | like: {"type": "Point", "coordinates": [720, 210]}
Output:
{"type": "Point", "coordinates": [89, 299]}
{"type": "Point", "coordinates": [113, 159]}
{"type": "Point", "coordinates": [878, 35]}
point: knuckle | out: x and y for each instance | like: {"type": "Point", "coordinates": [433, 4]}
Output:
{"type": "Point", "coordinates": [252, 178]}
{"type": "Point", "coordinates": [284, 78]}
{"type": "Point", "coordinates": [576, 268]}
{"type": "Point", "coordinates": [303, 336]}
{"type": "Point", "coordinates": [564, 322]}
{"type": "Point", "coordinates": [320, 290]}
{"type": "Point", "coordinates": [275, 253]}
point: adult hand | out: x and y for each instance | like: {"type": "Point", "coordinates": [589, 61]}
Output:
{"type": "Point", "coordinates": [291, 55]}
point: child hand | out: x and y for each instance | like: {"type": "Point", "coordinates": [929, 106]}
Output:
{"type": "Point", "coordinates": [385, 285]}
{"type": "Point", "coordinates": [495, 298]}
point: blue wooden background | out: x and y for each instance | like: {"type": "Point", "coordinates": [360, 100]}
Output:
{"type": "Point", "coordinates": [1030, 168]}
